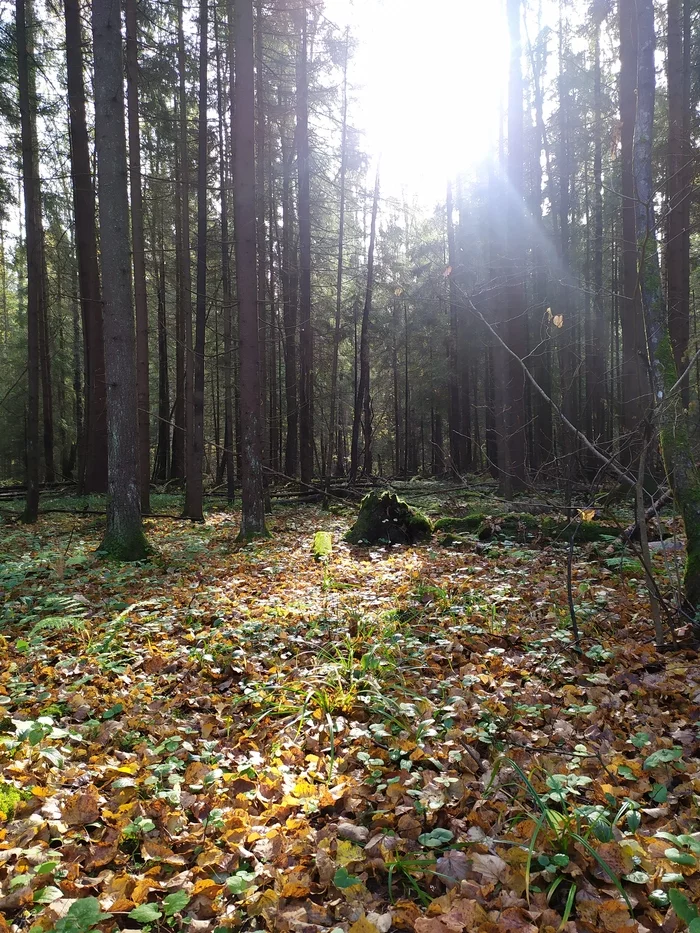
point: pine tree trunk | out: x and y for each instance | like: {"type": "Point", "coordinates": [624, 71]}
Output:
{"type": "Point", "coordinates": [333, 427]}
{"type": "Point", "coordinates": [289, 297]}
{"type": "Point", "coordinates": [635, 387]}
{"type": "Point", "coordinates": [92, 450]}
{"type": "Point", "coordinates": [227, 309]}
{"type": "Point", "coordinates": [185, 268]}
{"type": "Point", "coordinates": [516, 329]}
{"type": "Point", "coordinates": [195, 460]}
{"type": "Point", "coordinates": [139, 256]}
{"type": "Point", "coordinates": [253, 510]}
{"type": "Point", "coordinates": [362, 399]}
{"type": "Point", "coordinates": [677, 268]}
{"type": "Point", "coordinates": [34, 247]}
{"type": "Point", "coordinates": [306, 344]}
{"type": "Point", "coordinates": [124, 538]}
{"type": "Point", "coordinates": [671, 417]}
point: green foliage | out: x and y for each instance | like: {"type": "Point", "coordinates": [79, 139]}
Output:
{"type": "Point", "coordinates": [83, 916]}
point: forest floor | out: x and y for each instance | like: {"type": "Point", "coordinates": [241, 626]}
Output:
{"type": "Point", "coordinates": [400, 739]}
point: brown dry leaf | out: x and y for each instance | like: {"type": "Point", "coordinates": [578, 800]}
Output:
{"type": "Point", "coordinates": [363, 925]}
{"type": "Point", "coordinates": [492, 867]}
{"type": "Point", "coordinates": [104, 851]}
{"type": "Point", "coordinates": [463, 917]}
{"type": "Point", "coordinates": [82, 808]}
{"type": "Point", "coordinates": [150, 849]}
{"type": "Point", "coordinates": [452, 867]}
{"type": "Point", "coordinates": [295, 890]}
{"type": "Point", "coordinates": [615, 917]}
{"type": "Point", "coordinates": [17, 899]}
{"type": "Point", "coordinates": [613, 855]}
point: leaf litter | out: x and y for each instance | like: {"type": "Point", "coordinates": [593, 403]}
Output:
{"type": "Point", "coordinates": [392, 739]}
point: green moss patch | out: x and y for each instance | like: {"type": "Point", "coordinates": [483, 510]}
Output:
{"type": "Point", "coordinates": [323, 545]}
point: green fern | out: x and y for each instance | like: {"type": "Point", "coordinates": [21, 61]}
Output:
{"type": "Point", "coordinates": [52, 625]}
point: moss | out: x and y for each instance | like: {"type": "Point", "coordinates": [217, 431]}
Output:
{"type": "Point", "coordinates": [125, 546]}
{"type": "Point", "coordinates": [384, 518]}
{"type": "Point", "coordinates": [468, 523]}
{"type": "Point", "coordinates": [10, 796]}
{"type": "Point", "coordinates": [520, 525]}
{"type": "Point", "coordinates": [323, 545]}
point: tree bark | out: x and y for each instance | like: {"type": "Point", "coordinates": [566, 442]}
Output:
{"type": "Point", "coordinates": [185, 268]}
{"type": "Point", "coordinates": [34, 247]}
{"type": "Point", "coordinates": [227, 309]}
{"type": "Point", "coordinates": [195, 460]}
{"type": "Point", "coordinates": [631, 315]}
{"type": "Point", "coordinates": [362, 413]}
{"type": "Point", "coordinates": [253, 510]}
{"type": "Point", "coordinates": [124, 538]}
{"type": "Point", "coordinates": [92, 450]}
{"type": "Point", "coordinates": [670, 415]}
{"type": "Point", "coordinates": [677, 268]}
{"type": "Point", "coordinates": [139, 257]}
{"type": "Point", "coordinates": [516, 328]}
{"type": "Point", "coordinates": [306, 345]}
{"type": "Point", "coordinates": [333, 428]}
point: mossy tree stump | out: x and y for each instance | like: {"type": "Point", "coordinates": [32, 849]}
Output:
{"type": "Point", "coordinates": [385, 519]}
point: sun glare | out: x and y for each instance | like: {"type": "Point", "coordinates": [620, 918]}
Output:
{"type": "Point", "coordinates": [429, 80]}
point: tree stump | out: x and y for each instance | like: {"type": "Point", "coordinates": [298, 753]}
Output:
{"type": "Point", "coordinates": [385, 519]}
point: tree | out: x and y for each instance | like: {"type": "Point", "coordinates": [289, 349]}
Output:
{"type": "Point", "coordinates": [670, 416]}
{"type": "Point", "coordinates": [139, 256]}
{"type": "Point", "coordinates": [35, 248]}
{"type": "Point", "coordinates": [363, 411]}
{"type": "Point", "coordinates": [306, 339]}
{"type": "Point", "coordinates": [195, 459]}
{"type": "Point", "coordinates": [124, 538]}
{"type": "Point", "coordinates": [677, 244]}
{"type": "Point", "coordinates": [253, 507]}
{"type": "Point", "coordinates": [515, 474]}
{"type": "Point", "coordinates": [92, 441]}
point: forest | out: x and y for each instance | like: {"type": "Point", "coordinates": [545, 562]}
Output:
{"type": "Point", "coordinates": [349, 466]}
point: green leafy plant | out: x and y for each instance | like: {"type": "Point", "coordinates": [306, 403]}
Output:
{"type": "Point", "coordinates": [83, 916]}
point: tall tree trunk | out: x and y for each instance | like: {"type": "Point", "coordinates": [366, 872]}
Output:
{"type": "Point", "coordinates": [362, 413]}
{"type": "Point", "coordinates": [34, 246]}
{"type": "Point", "coordinates": [124, 538]}
{"type": "Point", "coordinates": [595, 345]}
{"type": "Point", "coordinates": [45, 363]}
{"type": "Point", "coordinates": [454, 414]}
{"type": "Point", "coordinates": [289, 297]}
{"type": "Point", "coordinates": [185, 268]}
{"type": "Point", "coordinates": [253, 511]}
{"type": "Point", "coordinates": [631, 316]}
{"type": "Point", "coordinates": [671, 417]}
{"type": "Point", "coordinates": [92, 451]}
{"type": "Point", "coordinates": [177, 463]}
{"type": "Point", "coordinates": [160, 469]}
{"type": "Point", "coordinates": [677, 268]}
{"type": "Point", "coordinates": [339, 276]}
{"type": "Point", "coordinates": [227, 309]}
{"type": "Point", "coordinates": [195, 460]}
{"type": "Point", "coordinates": [306, 344]}
{"type": "Point", "coordinates": [567, 329]}
{"type": "Point", "coordinates": [139, 257]}
{"type": "Point", "coordinates": [260, 218]}
{"type": "Point", "coordinates": [516, 298]}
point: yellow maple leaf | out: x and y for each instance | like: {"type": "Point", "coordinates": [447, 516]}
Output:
{"type": "Point", "coordinates": [586, 515]}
